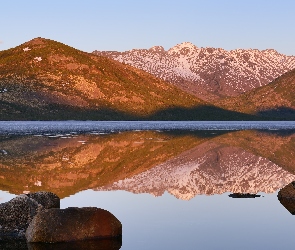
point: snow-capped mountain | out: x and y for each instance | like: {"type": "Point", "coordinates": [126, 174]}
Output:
{"type": "Point", "coordinates": [209, 169]}
{"type": "Point", "coordinates": [209, 73]}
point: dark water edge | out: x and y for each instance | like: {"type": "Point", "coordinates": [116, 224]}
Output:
{"type": "Point", "coordinates": [33, 127]}
{"type": "Point", "coordinates": [100, 244]}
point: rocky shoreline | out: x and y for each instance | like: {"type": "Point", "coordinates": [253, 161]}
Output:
{"type": "Point", "coordinates": [37, 217]}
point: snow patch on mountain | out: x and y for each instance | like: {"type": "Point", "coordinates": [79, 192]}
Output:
{"type": "Point", "coordinates": [209, 73]}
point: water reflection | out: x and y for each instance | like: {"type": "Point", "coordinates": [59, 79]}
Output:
{"type": "Point", "coordinates": [184, 164]}
{"type": "Point", "coordinates": [68, 164]}
{"type": "Point", "coordinates": [210, 168]}
{"type": "Point", "coordinates": [102, 244]}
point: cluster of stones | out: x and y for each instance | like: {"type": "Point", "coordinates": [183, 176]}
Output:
{"type": "Point", "coordinates": [37, 217]}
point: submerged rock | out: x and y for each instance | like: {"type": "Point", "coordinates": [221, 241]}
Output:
{"type": "Point", "coordinates": [17, 214]}
{"type": "Point", "coordinates": [73, 224]}
{"type": "Point", "coordinates": [101, 244]}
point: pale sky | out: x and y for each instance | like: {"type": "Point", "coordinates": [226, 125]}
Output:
{"type": "Point", "coordinates": [126, 24]}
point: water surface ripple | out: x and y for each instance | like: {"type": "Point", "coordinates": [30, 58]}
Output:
{"type": "Point", "coordinates": [31, 127]}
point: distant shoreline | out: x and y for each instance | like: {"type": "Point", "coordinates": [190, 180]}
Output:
{"type": "Point", "coordinates": [32, 127]}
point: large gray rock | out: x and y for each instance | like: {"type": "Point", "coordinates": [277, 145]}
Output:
{"type": "Point", "coordinates": [73, 224]}
{"type": "Point", "coordinates": [16, 214]}
{"type": "Point", "coordinates": [46, 199]}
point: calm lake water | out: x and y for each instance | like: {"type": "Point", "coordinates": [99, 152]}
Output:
{"type": "Point", "coordinates": [169, 183]}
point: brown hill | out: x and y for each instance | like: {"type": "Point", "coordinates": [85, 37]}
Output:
{"type": "Point", "coordinates": [43, 73]}
{"type": "Point", "coordinates": [276, 99]}
{"type": "Point", "coordinates": [47, 80]}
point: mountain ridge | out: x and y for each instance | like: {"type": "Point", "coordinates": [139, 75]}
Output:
{"type": "Point", "coordinates": [208, 73]}
{"type": "Point", "coordinates": [43, 73]}
{"type": "Point", "coordinates": [46, 80]}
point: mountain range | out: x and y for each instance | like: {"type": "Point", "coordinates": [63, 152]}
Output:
{"type": "Point", "coordinates": [46, 80]}
{"type": "Point", "coordinates": [50, 79]}
{"type": "Point", "coordinates": [208, 73]}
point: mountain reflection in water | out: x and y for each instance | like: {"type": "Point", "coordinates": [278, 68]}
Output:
{"type": "Point", "coordinates": [184, 164]}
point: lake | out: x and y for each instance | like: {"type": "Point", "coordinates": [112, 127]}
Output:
{"type": "Point", "coordinates": [171, 184]}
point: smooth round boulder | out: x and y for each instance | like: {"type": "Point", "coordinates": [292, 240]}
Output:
{"type": "Point", "coordinates": [73, 224]}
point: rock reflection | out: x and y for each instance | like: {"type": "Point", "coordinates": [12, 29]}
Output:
{"type": "Point", "coordinates": [101, 244]}
{"type": "Point", "coordinates": [12, 245]}
{"type": "Point", "coordinates": [244, 195]}
{"type": "Point", "coordinates": [209, 169]}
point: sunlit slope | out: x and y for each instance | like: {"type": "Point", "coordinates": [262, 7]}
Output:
{"type": "Point", "coordinates": [45, 76]}
{"type": "Point", "coordinates": [276, 99]}
{"type": "Point", "coordinates": [47, 80]}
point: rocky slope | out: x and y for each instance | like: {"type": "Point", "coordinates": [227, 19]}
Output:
{"type": "Point", "coordinates": [276, 99]}
{"type": "Point", "coordinates": [209, 73]}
